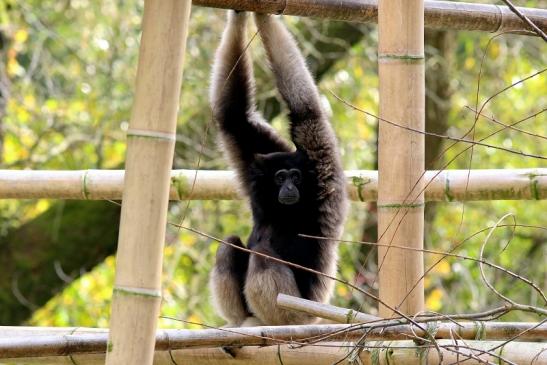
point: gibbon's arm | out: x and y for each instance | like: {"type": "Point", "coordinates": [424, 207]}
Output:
{"type": "Point", "coordinates": [310, 130]}
{"type": "Point", "coordinates": [243, 131]}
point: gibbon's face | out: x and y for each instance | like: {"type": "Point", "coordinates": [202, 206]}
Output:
{"type": "Point", "coordinates": [282, 177]}
{"type": "Point", "coordinates": [288, 182]}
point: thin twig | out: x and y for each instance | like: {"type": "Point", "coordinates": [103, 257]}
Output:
{"type": "Point", "coordinates": [525, 19]}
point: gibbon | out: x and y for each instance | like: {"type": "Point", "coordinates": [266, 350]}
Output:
{"type": "Point", "coordinates": [292, 190]}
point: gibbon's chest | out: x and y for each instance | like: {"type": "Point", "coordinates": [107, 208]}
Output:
{"type": "Point", "coordinates": [285, 239]}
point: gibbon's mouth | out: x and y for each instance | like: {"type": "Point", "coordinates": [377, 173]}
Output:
{"type": "Point", "coordinates": [289, 199]}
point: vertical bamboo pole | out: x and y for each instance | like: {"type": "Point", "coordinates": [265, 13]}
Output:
{"type": "Point", "coordinates": [401, 153]}
{"type": "Point", "coordinates": [150, 145]}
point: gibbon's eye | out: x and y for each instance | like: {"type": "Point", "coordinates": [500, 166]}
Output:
{"type": "Point", "coordinates": [280, 177]}
{"type": "Point", "coordinates": [295, 175]}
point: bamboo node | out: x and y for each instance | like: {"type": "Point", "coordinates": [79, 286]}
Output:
{"type": "Point", "coordinates": [401, 205]}
{"type": "Point", "coordinates": [480, 330]}
{"type": "Point", "coordinates": [500, 354]}
{"type": "Point", "coordinates": [85, 192]}
{"type": "Point", "coordinates": [447, 194]}
{"type": "Point", "coordinates": [72, 359]}
{"type": "Point", "coordinates": [499, 16]}
{"type": "Point", "coordinates": [171, 137]}
{"type": "Point", "coordinates": [407, 59]}
{"type": "Point", "coordinates": [141, 292]}
{"type": "Point", "coordinates": [375, 354]}
{"type": "Point", "coordinates": [350, 316]}
{"type": "Point", "coordinates": [282, 10]}
{"type": "Point", "coordinates": [422, 352]}
{"type": "Point", "coordinates": [534, 186]}
{"type": "Point", "coordinates": [180, 184]}
{"type": "Point", "coordinates": [359, 182]}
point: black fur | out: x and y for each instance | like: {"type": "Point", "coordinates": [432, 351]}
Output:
{"type": "Point", "coordinates": [257, 153]}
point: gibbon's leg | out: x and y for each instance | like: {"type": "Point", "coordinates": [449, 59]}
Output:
{"type": "Point", "coordinates": [227, 282]}
{"type": "Point", "coordinates": [244, 132]}
{"type": "Point", "coordinates": [265, 280]}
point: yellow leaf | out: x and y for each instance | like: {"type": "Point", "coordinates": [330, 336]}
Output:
{"type": "Point", "coordinates": [494, 50]}
{"type": "Point", "coordinates": [188, 239]}
{"type": "Point", "coordinates": [195, 321]}
{"type": "Point", "coordinates": [51, 104]}
{"type": "Point", "coordinates": [14, 68]}
{"type": "Point", "coordinates": [29, 101]}
{"type": "Point", "coordinates": [469, 63]}
{"type": "Point", "coordinates": [20, 36]}
{"type": "Point", "coordinates": [433, 300]}
{"type": "Point", "coordinates": [442, 268]}
{"type": "Point", "coordinates": [341, 290]}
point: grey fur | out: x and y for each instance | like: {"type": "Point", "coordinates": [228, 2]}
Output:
{"type": "Point", "coordinates": [245, 134]}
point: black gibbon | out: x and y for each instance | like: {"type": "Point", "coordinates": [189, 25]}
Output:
{"type": "Point", "coordinates": [291, 191]}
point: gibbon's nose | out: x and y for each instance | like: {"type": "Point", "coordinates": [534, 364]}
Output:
{"type": "Point", "coordinates": [289, 195]}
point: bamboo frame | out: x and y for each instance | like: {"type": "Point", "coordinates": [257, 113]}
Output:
{"type": "Point", "coordinates": [438, 14]}
{"type": "Point", "coordinates": [401, 154]}
{"type": "Point", "coordinates": [151, 139]}
{"type": "Point", "coordinates": [400, 352]}
{"type": "Point", "coordinates": [447, 185]}
{"type": "Point", "coordinates": [137, 290]}
{"type": "Point", "coordinates": [55, 341]}
{"type": "Point", "coordinates": [323, 310]}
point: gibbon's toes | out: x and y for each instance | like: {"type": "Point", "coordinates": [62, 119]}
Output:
{"type": "Point", "coordinates": [251, 322]}
{"type": "Point", "coordinates": [261, 18]}
{"type": "Point", "coordinates": [232, 325]}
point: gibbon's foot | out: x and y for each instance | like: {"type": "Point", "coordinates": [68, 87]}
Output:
{"type": "Point", "coordinates": [251, 322]}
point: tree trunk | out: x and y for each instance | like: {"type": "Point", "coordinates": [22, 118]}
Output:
{"type": "Point", "coordinates": [4, 89]}
{"type": "Point", "coordinates": [440, 50]}
{"type": "Point", "coordinates": [41, 257]}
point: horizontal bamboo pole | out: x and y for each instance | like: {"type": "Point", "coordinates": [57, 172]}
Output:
{"type": "Point", "coordinates": [34, 341]}
{"type": "Point", "coordinates": [448, 185]}
{"type": "Point", "coordinates": [374, 353]}
{"type": "Point", "coordinates": [438, 14]}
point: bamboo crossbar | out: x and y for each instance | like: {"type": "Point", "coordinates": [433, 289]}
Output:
{"type": "Point", "coordinates": [19, 342]}
{"type": "Point", "coordinates": [448, 185]}
{"type": "Point", "coordinates": [438, 14]}
{"type": "Point", "coordinates": [328, 353]}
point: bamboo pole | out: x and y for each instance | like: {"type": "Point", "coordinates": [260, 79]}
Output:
{"type": "Point", "coordinates": [401, 154]}
{"type": "Point", "coordinates": [438, 14]}
{"type": "Point", "coordinates": [447, 185]}
{"type": "Point", "coordinates": [402, 353]}
{"type": "Point", "coordinates": [324, 311]}
{"type": "Point", "coordinates": [50, 341]}
{"type": "Point", "coordinates": [374, 353]}
{"type": "Point", "coordinates": [151, 138]}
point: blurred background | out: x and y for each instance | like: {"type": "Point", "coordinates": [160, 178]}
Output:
{"type": "Point", "coordinates": [67, 71]}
